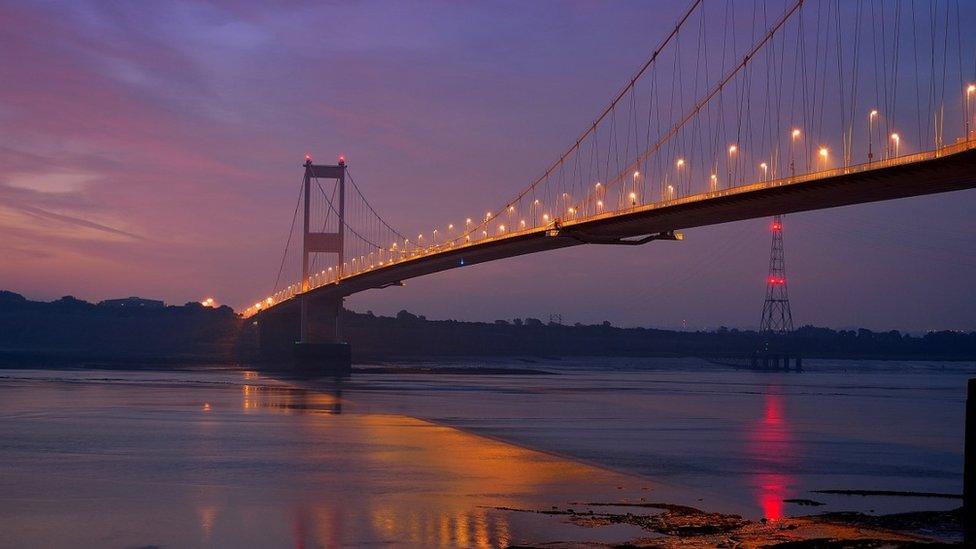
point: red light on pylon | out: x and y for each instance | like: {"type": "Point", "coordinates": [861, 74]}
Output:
{"type": "Point", "coordinates": [777, 227]}
{"type": "Point", "coordinates": [308, 157]}
{"type": "Point", "coordinates": [342, 159]}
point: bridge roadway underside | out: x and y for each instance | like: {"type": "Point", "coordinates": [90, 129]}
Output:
{"type": "Point", "coordinates": [947, 173]}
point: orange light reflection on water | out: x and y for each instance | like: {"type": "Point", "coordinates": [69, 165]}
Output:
{"type": "Point", "coordinates": [445, 485]}
{"type": "Point", "coordinates": [290, 400]}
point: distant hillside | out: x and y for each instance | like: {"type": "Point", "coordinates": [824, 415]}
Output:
{"type": "Point", "coordinates": [408, 335]}
{"type": "Point", "coordinates": [69, 330]}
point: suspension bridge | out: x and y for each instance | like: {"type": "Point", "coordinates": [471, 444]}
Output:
{"type": "Point", "coordinates": [742, 110]}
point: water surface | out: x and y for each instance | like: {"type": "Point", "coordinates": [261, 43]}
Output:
{"type": "Point", "coordinates": [224, 457]}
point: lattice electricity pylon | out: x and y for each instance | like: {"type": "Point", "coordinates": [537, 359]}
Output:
{"type": "Point", "coordinates": [776, 315]}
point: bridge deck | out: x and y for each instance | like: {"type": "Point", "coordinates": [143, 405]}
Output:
{"type": "Point", "coordinates": [948, 169]}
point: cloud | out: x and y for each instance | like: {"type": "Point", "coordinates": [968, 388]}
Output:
{"type": "Point", "coordinates": [78, 222]}
{"type": "Point", "coordinates": [51, 182]}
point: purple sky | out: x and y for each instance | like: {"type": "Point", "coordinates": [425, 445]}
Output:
{"type": "Point", "coordinates": [154, 150]}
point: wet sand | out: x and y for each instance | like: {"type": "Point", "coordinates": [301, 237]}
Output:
{"type": "Point", "coordinates": [200, 459]}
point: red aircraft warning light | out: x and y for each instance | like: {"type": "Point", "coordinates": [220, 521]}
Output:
{"type": "Point", "coordinates": [342, 159]}
{"type": "Point", "coordinates": [308, 157]}
{"type": "Point", "coordinates": [777, 226]}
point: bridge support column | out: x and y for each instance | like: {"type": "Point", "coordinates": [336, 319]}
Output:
{"type": "Point", "coordinates": [320, 347]}
{"type": "Point", "coordinates": [323, 350]}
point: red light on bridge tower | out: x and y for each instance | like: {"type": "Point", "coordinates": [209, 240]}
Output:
{"type": "Point", "coordinates": [342, 160]}
{"type": "Point", "coordinates": [776, 315]}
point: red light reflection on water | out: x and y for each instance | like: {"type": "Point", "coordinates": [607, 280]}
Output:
{"type": "Point", "coordinates": [772, 449]}
{"type": "Point", "coordinates": [772, 490]}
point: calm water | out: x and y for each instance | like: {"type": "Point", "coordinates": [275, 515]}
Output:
{"type": "Point", "coordinates": [233, 458]}
{"type": "Point", "coordinates": [755, 437]}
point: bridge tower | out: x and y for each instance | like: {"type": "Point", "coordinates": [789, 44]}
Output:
{"type": "Point", "coordinates": [320, 343]}
{"type": "Point", "coordinates": [322, 242]}
{"type": "Point", "coordinates": [776, 315]}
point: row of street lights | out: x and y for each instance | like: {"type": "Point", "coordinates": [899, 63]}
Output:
{"type": "Point", "coordinates": [823, 154]}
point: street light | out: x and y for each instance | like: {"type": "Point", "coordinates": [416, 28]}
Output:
{"type": "Point", "coordinates": [680, 164]}
{"type": "Point", "coordinates": [714, 182]}
{"type": "Point", "coordinates": [794, 135]}
{"type": "Point", "coordinates": [970, 90]}
{"type": "Point", "coordinates": [765, 169]}
{"type": "Point", "coordinates": [871, 116]}
{"type": "Point", "coordinates": [596, 193]}
{"type": "Point", "coordinates": [633, 199]}
{"type": "Point", "coordinates": [897, 139]}
{"type": "Point", "coordinates": [824, 153]}
{"type": "Point", "coordinates": [732, 150]}
{"type": "Point", "coordinates": [634, 187]}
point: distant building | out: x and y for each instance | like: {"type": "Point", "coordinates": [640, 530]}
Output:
{"type": "Point", "coordinates": [132, 303]}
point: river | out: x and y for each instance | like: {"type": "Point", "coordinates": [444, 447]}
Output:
{"type": "Point", "coordinates": [226, 456]}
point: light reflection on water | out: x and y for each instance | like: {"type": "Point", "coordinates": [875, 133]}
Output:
{"type": "Point", "coordinates": [288, 400]}
{"type": "Point", "coordinates": [772, 448]}
{"type": "Point", "coordinates": [201, 459]}
{"type": "Point", "coordinates": [741, 440]}
{"type": "Point", "coordinates": [112, 463]}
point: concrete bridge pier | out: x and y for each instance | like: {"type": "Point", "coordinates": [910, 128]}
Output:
{"type": "Point", "coordinates": [322, 347]}
{"type": "Point", "coordinates": [315, 347]}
